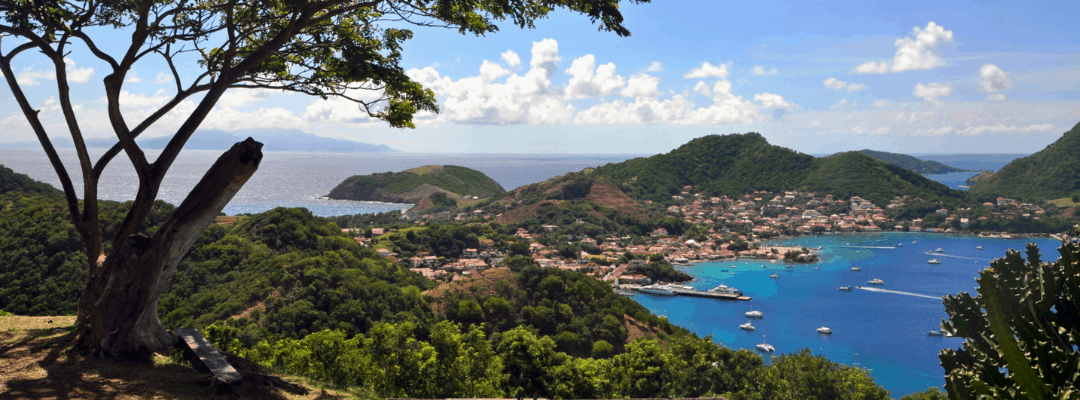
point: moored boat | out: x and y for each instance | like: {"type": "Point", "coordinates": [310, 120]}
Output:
{"type": "Point", "coordinates": [933, 261]}
{"type": "Point", "coordinates": [876, 281]}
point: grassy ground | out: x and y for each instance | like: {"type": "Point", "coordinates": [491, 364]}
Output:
{"type": "Point", "coordinates": [36, 362]}
{"type": "Point", "coordinates": [1063, 202]}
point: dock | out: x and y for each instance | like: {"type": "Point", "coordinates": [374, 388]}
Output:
{"type": "Point", "coordinates": [695, 293]}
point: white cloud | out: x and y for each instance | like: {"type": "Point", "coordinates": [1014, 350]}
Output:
{"type": "Point", "coordinates": [132, 77]}
{"type": "Point", "coordinates": [975, 130]}
{"type": "Point", "coordinates": [128, 99]}
{"type": "Point", "coordinates": [243, 97]}
{"type": "Point", "coordinates": [993, 79]}
{"type": "Point", "coordinates": [882, 103]}
{"type": "Point", "coordinates": [702, 89]}
{"type": "Point", "coordinates": [490, 71]}
{"type": "Point", "coordinates": [932, 92]}
{"type": "Point", "coordinates": [760, 71]}
{"type": "Point", "coordinates": [882, 131]}
{"type": "Point", "coordinates": [995, 97]}
{"type": "Point", "coordinates": [585, 83]}
{"type": "Point", "coordinates": [835, 84]}
{"type": "Point", "coordinates": [855, 87]}
{"type": "Point", "coordinates": [641, 85]}
{"type": "Point", "coordinates": [770, 101]}
{"type": "Point", "coordinates": [708, 70]}
{"type": "Point", "coordinates": [78, 75]}
{"type": "Point", "coordinates": [840, 104]}
{"type": "Point", "coordinates": [30, 77]}
{"type": "Point", "coordinates": [511, 59]}
{"type": "Point", "coordinates": [918, 52]}
{"type": "Point", "coordinates": [163, 79]}
{"type": "Point", "coordinates": [655, 67]}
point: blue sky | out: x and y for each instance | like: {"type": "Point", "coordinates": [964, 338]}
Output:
{"type": "Point", "coordinates": [911, 77]}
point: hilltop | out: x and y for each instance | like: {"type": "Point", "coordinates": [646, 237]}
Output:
{"type": "Point", "coordinates": [414, 185]}
{"type": "Point", "coordinates": [740, 163]}
{"type": "Point", "coordinates": [1051, 173]}
{"type": "Point", "coordinates": [911, 163]}
{"type": "Point", "coordinates": [11, 181]}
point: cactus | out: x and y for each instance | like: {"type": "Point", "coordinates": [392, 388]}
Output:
{"type": "Point", "coordinates": [1022, 330]}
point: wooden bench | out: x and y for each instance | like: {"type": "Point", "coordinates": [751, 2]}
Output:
{"type": "Point", "coordinates": [205, 358]}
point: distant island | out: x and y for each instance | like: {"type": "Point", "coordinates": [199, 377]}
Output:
{"type": "Point", "coordinates": [213, 139]}
{"type": "Point", "coordinates": [436, 183]}
{"type": "Point", "coordinates": [911, 163]}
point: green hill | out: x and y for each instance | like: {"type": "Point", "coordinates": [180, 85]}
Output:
{"type": "Point", "coordinates": [740, 163]}
{"type": "Point", "coordinates": [1051, 173]}
{"type": "Point", "coordinates": [414, 185]}
{"type": "Point", "coordinates": [11, 181]}
{"type": "Point", "coordinates": [911, 163]}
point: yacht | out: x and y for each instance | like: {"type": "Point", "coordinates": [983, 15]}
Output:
{"type": "Point", "coordinates": [824, 330]}
{"type": "Point", "coordinates": [936, 333]}
{"type": "Point", "coordinates": [660, 290]}
{"type": "Point", "coordinates": [939, 250]}
{"type": "Point", "coordinates": [856, 269]}
{"type": "Point", "coordinates": [845, 288]}
{"type": "Point", "coordinates": [765, 347]}
{"type": "Point", "coordinates": [725, 289]}
{"type": "Point", "coordinates": [933, 261]}
{"type": "Point", "coordinates": [899, 245]}
{"type": "Point", "coordinates": [979, 247]}
{"type": "Point", "coordinates": [754, 314]}
{"type": "Point", "coordinates": [774, 276]}
{"type": "Point", "coordinates": [816, 268]}
{"type": "Point", "coordinates": [746, 327]}
{"type": "Point", "coordinates": [914, 242]}
{"type": "Point", "coordinates": [876, 281]}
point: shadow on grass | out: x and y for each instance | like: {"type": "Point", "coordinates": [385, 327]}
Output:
{"type": "Point", "coordinates": [36, 365]}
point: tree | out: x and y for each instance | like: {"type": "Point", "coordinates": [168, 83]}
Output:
{"type": "Point", "coordinates": [1021, 330]}
{"type": "Point", "coordinates": [329, 48]}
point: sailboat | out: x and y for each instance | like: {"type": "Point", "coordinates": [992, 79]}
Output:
{"type": "Point", "coordinates": [824, 330]}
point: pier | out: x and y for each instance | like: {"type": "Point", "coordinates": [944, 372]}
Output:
{"type": "Point", "coordinates": [694, 293]}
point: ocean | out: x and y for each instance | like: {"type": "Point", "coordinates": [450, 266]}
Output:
{"type": "Point", "coordinates": [882, 328]}
{"type": "Point", "coordinates": [972, 162]}
{"type": "Point", "coordinates": [294, 179]}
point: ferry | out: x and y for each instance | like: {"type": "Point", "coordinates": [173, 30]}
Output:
{"type": "Point", "coordinates": [746, 327]}
{"type": "Point", "coordinates": [824, 330]}
{"type": "Point", "coordinates": [660, 290]}
{"type": "Point", "coordinates": [876, 281]}
{"type": "Point", "coordinates": [725, 289]}
{"type": "Point", "coordinates": [933, 261]}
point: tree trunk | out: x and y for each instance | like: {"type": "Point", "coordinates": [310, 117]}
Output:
{"type": "Point", "coordinates": [117, 313]}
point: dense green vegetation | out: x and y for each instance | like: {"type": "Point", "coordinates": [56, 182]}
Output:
{"type": "Point", "coordinates": [11, 181]}
{"type": "Point", "coordinates": [1051, 173]}
{"type": "Point", "coordinates": [911, 163]}
{"type": "Point", "coordinates": [740, 163]}
{"type": "Point", "coordinates": [458, 180]}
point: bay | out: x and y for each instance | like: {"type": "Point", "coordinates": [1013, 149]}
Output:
{"type": "Point", "coordinates": [299, 179]}
{"type": "Point", "coordinates": [882, 328]}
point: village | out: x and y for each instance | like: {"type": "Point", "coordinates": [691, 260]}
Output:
{"type": "Point", "coordinates": [737, 228]}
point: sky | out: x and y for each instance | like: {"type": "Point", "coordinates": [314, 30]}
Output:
{"type": "Point", "coordinates": [915, 77]}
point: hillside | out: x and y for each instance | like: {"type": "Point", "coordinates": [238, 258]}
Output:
{"type": "Point", "coordinates": [11, 181]}
{"type": "Point", "coordinates": [1051, 173]}
{"type": "Point", "coordinates": [414, 185]}
{"type": "Point", "coordinates": [739, 163]}
{"type": "Point", "coordinates": [911, 163]}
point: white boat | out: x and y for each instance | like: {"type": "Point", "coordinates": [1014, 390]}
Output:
{"type": "Point", "coordinates": [725, 289]}
{"type": "Point", "coordinates": [660, 290]}
{"type": "Point", "coordinates": [936, 333]}
{"type": "Point", "coordinates": [979, 247]}
{"type": "Point", "coordinates": [876, 281]}
{"type": "Point", "coordinates": [816, 268]}
{"type": "Point", "coordinates": [933, 261]}
{"type": "Point", "coordinates": [774, 276]}
{"type": "Point", "coordinates": [845, 288]}
{"type": "Point", "coordinates": [766, 347]}
{"type": "Point", "coordinates": [899, 245]}
{"type": "Point", "coordinates": [754, 314]}
{"type": "Point", "coordinates": [914, 242]}
{"type": "Point", "coordinates": [824, 330]}
{"type": "Point", "coordinates": [939, 250]}
{"type": "Point", "coordinates": [856, 269]}
{"type": "Point", "coordinates": [746, 327]}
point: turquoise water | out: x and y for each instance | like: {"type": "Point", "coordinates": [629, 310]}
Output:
{"type": "Point", "coordinates": [882, 330]}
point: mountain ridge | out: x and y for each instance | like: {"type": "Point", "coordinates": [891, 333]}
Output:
{"type": "Point", "coordinates": [1050, 173]}
{"type": "Point", "coordinates": [912, 163]}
